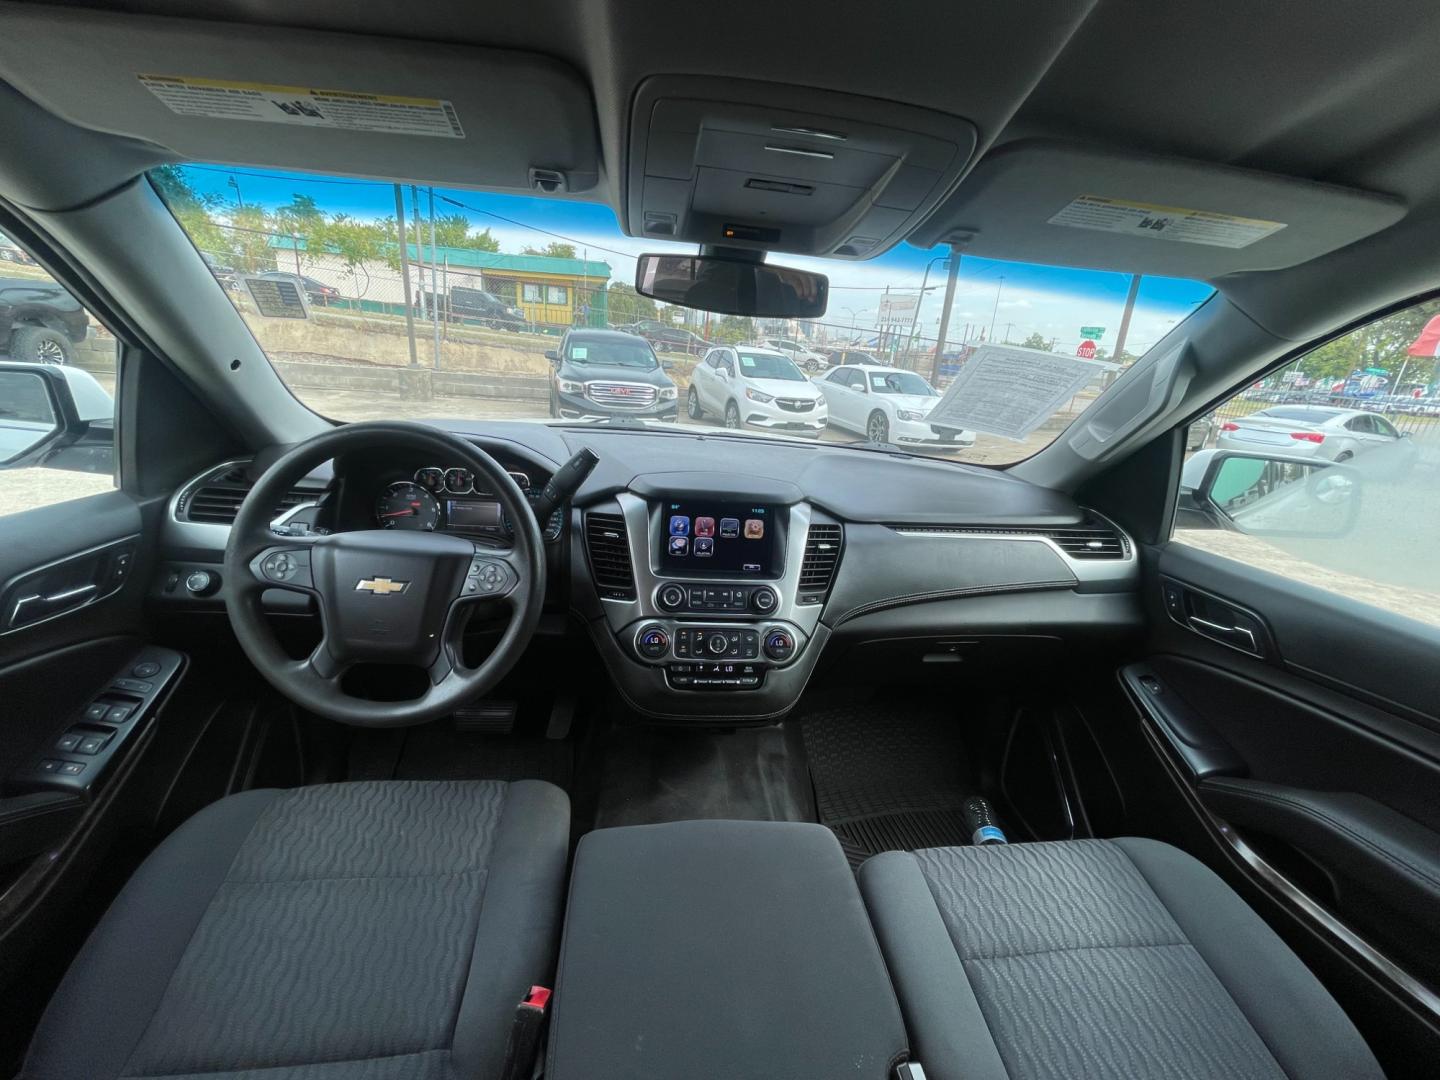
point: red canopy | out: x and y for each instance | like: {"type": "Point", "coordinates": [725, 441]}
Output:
{"type": "Point", "coordinates": [1428, 343]}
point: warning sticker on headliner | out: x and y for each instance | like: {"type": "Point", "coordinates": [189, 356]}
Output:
{"type": "Point", "coordinates": [1164, 222]}
{"type": "Point", "coordinates": [305, 106]}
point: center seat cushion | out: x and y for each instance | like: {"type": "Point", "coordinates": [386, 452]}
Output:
{"type": "Point", "coordinates": [1096, 958]}
{"type": "Point", "coordinates": [720, 949]}
{"type": "Point", "coordinates": [361, 931]}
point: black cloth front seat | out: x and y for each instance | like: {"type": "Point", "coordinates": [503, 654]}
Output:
{"type": "Point", "coordinates": [1096, 958]}
{"type": "Point", "coordinates": [360, 931]}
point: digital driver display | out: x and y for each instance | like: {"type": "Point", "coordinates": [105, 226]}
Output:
{"type": "Point", "coordinates": [717, 538]}
{"type": "Point", "coordinates": [472, 514]}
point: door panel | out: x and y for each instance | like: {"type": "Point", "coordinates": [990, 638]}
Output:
{"type": "Point", "coordinates": [1318, 759]}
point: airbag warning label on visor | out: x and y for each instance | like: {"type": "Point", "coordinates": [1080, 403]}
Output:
{"type": "Point", "coordinates": [1164, 222]}
{"type": "Point", "coordinates": [345, 110]}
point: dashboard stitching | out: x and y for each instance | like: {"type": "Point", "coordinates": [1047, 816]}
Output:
{"type": "Point", "coordinates": [950, 594]}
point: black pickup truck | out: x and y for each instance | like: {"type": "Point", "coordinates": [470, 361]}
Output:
{"type": "Point", "coordinates": [40, 322]}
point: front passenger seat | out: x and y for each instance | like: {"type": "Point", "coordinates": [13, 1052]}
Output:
{"type": "Point", "coordinates": [358, 931]}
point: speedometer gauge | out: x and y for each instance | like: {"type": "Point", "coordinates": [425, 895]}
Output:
{"type": "Point", "coordinates": [406, 505]}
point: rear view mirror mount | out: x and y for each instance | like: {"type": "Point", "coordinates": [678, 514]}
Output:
{"type": "Point", "coordinates": [731, 285]}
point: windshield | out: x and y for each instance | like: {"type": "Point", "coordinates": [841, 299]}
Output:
{"type": "Point", "coordinates": [759, 365]}
{"type": "Point", "coordinates": [382, 301]}
{"type": "Point", "coordinates": [899, 382]}
{"type": "Point", "coordinates": [589, 353]}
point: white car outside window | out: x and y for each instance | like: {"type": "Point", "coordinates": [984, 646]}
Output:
{"type": "Point", "coordinates": [756, 388]}
{"type": "Point", "coordinates": [885, 405]}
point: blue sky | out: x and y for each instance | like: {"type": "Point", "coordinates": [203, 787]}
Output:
{"type": "Point", "coordinates": [1053, 301]}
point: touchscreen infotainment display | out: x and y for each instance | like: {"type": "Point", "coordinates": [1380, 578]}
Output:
{"type": "Point", "coordinates": [718, 538]}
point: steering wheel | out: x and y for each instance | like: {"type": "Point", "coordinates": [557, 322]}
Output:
{"type": "Point", "coordinates": [385, 596]}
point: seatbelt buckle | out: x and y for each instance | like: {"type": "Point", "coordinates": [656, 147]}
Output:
{"type": "Point", "coordinates": [909, 1070]}
{"type": "Point", "coordinates": [523, 1047]}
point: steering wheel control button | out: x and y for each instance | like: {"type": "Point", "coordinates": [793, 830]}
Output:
{"type": "Point", "coordinates": [779, 645]}
{"type": "Point", "coordinates": [653, 642]}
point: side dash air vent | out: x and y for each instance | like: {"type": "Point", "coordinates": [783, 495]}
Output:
{"type": "Point", "coordinates": [609, 549]}
{"type": "Point", "coordinates": [822, 555]}
{"type": "Point", "coordinates": [217, 502]}
{"type": "Point", "coordinates": [1091, 540]}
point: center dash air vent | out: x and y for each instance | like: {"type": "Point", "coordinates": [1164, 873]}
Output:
{"type": "Point", "coordinates": [822, 555]}
{"type": "Point", "coordinates": [609, 547]}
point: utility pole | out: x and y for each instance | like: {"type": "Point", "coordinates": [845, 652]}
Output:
{"type": "Point", "coordinates": [995, 312]}
{"type": "Point", "coordinates": [405, 274]}
{"type": "Point", "coordinates": [945, 313]}
{"type": "Point", "coordinates": [915, 318]}
{"type": "Point", "coordinates": [434, 285]}
{"type": "Point", "coordinates": [1008, 325]}
{"type": "Point", "coordinates": [884, 319]}
{"type": "Point", "coordinates": [1125, 318]}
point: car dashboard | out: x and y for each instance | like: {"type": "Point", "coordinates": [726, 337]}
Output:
{"type": "Point", "coordinates": [716, 575]}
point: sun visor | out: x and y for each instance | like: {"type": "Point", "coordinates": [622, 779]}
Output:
{"type": "Point", "coordinates": [332, 103]}
{"type": "Point", "coordinates": [785, 168]}
{"type": "Point", "coordinates": [1074, 205]}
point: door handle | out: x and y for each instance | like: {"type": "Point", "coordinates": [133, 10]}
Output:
{"type": "Point", "coordinates": [37, 605]}
{"type": "Point", "coordinates": [1238, 636]}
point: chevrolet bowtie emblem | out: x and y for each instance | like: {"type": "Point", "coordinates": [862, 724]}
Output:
{"type": "Point", "coordinates": [381, 586]}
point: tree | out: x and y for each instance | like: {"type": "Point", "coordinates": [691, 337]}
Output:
{"type": "Point", "coordinates": [1036, 340]}
{"type": "Point", "coordinates": [554, 250]}
{"type": "Point", "coordinates": [732, 329]}
{"type": "Point", "coordinates": [628, 306]}
{"type": "Point", "coordinates": [453, 230]}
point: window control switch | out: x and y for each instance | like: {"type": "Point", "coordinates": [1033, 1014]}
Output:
{"type": "Point", "coordinates": [97, 710]}
{"type": "Point", "coordinates": [69, 741]}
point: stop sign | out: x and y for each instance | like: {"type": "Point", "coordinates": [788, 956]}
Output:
{"type": "Point", "coordinates": [1086, 351]}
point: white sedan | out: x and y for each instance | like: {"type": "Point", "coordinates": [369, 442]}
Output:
{"type": "Point", "coordinates": [1317, 431]}
{"type": "Point", "coordinates": [886, 405]}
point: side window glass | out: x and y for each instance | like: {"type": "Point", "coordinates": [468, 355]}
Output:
{"type": "Point", "coordinates": [1325, 472]}
{"type": "Point", "coordinates": [57, 387]}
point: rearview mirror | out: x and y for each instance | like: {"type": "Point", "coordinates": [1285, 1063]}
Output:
{"type": "Point", "coordinates": [732, 286]}
{"type": "Point", "coordinates": [1263, 495]}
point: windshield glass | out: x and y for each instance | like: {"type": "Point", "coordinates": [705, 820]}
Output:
{"type": "Point", "coordinates": [758, 365]}
{"type": "Point", "coordinates": [899, 382]}
{"type": "Point", "coordinates": [382, 301]}
{"type": "Point", "coordinates": [591, 353]}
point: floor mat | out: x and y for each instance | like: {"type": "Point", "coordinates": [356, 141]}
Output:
{"type": "Point", "coordinates": [438, 752]}
{"type": "Point", "coordinates": [651, 775]}
{"type": "Point", "coordinates": [888, 777]}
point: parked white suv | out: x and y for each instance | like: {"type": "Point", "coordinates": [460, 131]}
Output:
{"type": "Point", "coordinates": [886, 405]}
{"type": "Point", "coordinates": [753, 387]}
{"type": "Point", "coordinates": [804, 356]}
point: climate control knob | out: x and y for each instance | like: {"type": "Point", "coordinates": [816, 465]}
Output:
{"type": "Point", "coordinates": [779, 645]}
{"type": "Point", "coordinates": [672, 597]}
{"type": "Point", "coordinates": [653, 642]}
{"type": "Point", "coordinates": [717, 644]}
{"type": "Point", "coordinates": [763, 600]}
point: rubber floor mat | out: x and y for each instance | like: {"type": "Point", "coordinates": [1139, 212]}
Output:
{"type": "Point", "coordinates": [888, 777]}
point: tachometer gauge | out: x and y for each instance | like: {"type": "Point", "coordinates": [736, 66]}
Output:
{"type": "Point", "coordinates": [431, 479]}
{"type": "Point", "coordinates": [459, 481]}
{"type": "Point", "coordinates": [407, 505]}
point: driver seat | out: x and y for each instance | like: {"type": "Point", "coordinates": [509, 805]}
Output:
{"type": "Point", "coordinates": [356, 931]}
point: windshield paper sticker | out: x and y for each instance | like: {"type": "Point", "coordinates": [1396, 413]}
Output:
{"type": "Point", "coordinates": [1009, 391]}
{"type": "Point", "coordinates": [218, 99]}
{"type": "Point", "coordinates": [277, 299]}
{"type": "Point", "coordinates": [1164, 222]}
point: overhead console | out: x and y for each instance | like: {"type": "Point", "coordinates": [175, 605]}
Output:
{"type": "Point", "coordinates": [772, 167]}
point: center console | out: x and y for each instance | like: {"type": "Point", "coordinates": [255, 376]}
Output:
{"type": "Point", "coordinates": [706, 594]}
